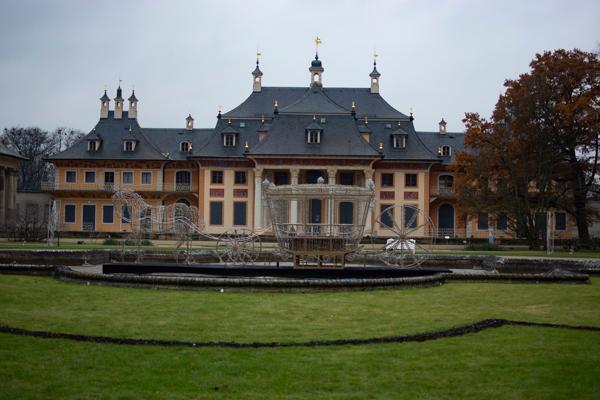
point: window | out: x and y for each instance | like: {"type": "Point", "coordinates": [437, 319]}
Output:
{"type": "Point", "coordinates": [127, 178]}
{"type": "Point", "coordinates": [387, 180]}
{"type": "Point", "coordinates": [281, 178]}
{"type": "Point", "coordinates": [323, 120]}
{"type": "Point", "coordinates": [501, 222]}
{"type": "Point", "coordinates": [109, 177]}
{"type": "Point", "coordinates": [240, 177]}
{"type": "Point", "coordinates": [410, 180]}
{"type": "Point", "coordinates": [314, 137]}
{"type": "Point", "coordinates": [185, 146]}
{"type": "Point", "coordinates": [445, 150]}
{"type": "Point", "coordinates": [90, 177]}
{"type": "Point", "coordinates": [183, 177]}
{"type": "Point", "coordinates": [229, 140]}
{"type": "Point", "coordinates": [482, 221]}
{"type": "Point", "coordinates": [242, 124]}
{"type": "Point", "coordinates": [560, 221]}
{"type": "Point", "coordinates": [399, 141]}
{"type": "Point", "coordinates": [92, 145]}
{"type": "Point", "coordinates": [69, 214]}
{"type": "Point", "coordinates": [410, 217]}
{"type": "Point", "coordinates": [71, 176]}
{"type": "Point", "coordinates": [216, 213]}
{"type": "Point", "coordinates": [346, 212]}
{"type": "Point", "coordinates": [125, 215]}
{"type": "Point", "coordinates": [387, 216]}
{"type": "Point", "coordinates": [146, 178]}
{"type": "Point", "coordinates": [128, 145]}
{"type": "Point", "coordinates": [446, 181]}
{"type": "Point", "coordinates": [108, 214]}
{"type": "Point", "coordinates": [217, 177]}
{"type": "Point", "coordinates": [239, 213]}
{"type": "Point", "coordinates": [346, 178]}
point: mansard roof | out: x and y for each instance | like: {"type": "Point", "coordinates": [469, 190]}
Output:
{"type": "Point", "coordinates": [433, 140]}
{"type": "Point", "coordinates": [339, 137]}
{"type": "Point", "coordinates": [113, 131]}
{"type": "Point", "coordinates": [304, 99]}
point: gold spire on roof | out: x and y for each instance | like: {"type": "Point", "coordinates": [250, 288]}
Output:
{"type": "Point", "coordinates": [317, 43]}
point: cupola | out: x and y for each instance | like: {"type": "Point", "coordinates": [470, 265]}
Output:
{"type": "Point", "coordinates": [133, 102]}
{"type": "Point", "coordinates": [104, 104]}
{"type": "Point", "coordinates": [119, 103]}
{"type": "Point", "coordinates": [189, 122]}
{"type": "Point", "coordinates": [257, 76]}
{"type": "Point", "coordinates": [442, 127]}
{"type": "Point", "coordinates": [316, 67]}
{"type": "Point", "coordinates": [375, 76]}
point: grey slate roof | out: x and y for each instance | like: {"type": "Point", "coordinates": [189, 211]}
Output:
{"type": "Point", "coordinates": [113, 131]}
{"type": "Point", "coordinates": [301, 100]}
{"type": "Point", "coordinates": [433, 140]}
{"type": "Point", "coordinates": [7, 151]}
{"type": "Point", "coordinates": [416, 149]}
{"type": "Point", "coordinates": [340, 137]}
{"type": "Point", "coordinates": [169, 139]}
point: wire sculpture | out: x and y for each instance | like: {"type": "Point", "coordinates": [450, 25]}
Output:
{"type": "Point", "coordinates": [406, 222]}
{"type": "Point", "coordinates": [233, 248]}
{"type": "Point", "coordinates": [318, 225]}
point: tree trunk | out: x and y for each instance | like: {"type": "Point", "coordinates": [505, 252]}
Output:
{"type": "Point", "coordinates": [580, 192]}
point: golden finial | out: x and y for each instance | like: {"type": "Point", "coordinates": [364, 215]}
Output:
{"type": "Point", "coordinates": [262, 118]}
{"type": "Point", "coordinates": [317, 43]}
{"type": "Point", "coordinates": [130, 128]}
{"type": "Point", "coordinates": [366, 120]}
{"type": "Point", "coordinates": [276, 104]}
{"type": "Point", "coordinates": [246, 145]}
{"type": "Point", "coordinates": [380, 146]}
{"type": "Point", "coordinates": [353, 104]}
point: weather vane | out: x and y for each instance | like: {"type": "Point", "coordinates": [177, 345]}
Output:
{"type": "Point", "coordinates": [258, 55]}
{"type": "Point", "coordinates": [317, 43]}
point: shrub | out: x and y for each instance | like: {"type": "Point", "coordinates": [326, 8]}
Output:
{"type": "Point", "coordinates": [110, 241]}
{"type": "Point", "coordinates": [483, 247]}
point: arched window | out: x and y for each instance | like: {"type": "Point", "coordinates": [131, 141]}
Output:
{"type": "Point", "coordinates": [446, 151]}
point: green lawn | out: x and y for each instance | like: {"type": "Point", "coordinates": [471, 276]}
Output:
{"type": "Point", "coordinates": [508, 362]}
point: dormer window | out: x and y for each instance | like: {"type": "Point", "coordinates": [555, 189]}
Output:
{"type": "Point", "coordinates": [399, 141]}
{"type": "Point", "coordinates": [229, 140]}
{"type": "Point", "coordinates": [445, 151]}
{"type": "Point", "coordinates": [314, 136]}
{"type": "Point", "coordinates": [129, 145]}
{"type": "Point", "coordinates": [185, 147]}
{"type": "Point", "coordinates": [93, 145]}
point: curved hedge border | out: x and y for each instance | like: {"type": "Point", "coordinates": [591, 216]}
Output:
{"type": "Point", "coordinates": [419, 337]}
{"type": "Point", "coordinates": [188, 282]}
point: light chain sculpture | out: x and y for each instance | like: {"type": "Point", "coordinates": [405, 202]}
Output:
{"type": "Point", "coordinates": [233, 248]}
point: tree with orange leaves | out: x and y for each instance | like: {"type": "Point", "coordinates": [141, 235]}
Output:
{"type": "Point", "coordinates": [539, 150]}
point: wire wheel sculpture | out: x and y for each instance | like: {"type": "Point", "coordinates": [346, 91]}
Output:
{"type": "Point", "coordinates": [406, 223]}
{"type": "Point", "coordinates": [183, 222]}
{"type": "Point", "coordinates": [239, 247]}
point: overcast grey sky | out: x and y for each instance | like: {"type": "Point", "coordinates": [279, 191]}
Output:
{"type": "Point", "coordinates": [440, 58]}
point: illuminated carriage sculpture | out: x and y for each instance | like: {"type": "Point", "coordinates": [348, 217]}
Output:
{"type": "Point", "coordinates": [318, 225]}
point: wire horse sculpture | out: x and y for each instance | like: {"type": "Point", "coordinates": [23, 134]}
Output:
{"type": "Point", "coordinates": [233, 248]}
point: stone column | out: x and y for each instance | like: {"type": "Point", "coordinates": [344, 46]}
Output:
{"type": "Point", "coordinates": [331, 175]}
{"type": "Point", "coordinates": [294, 173]}
{"type": "Point", "coordinates": [369, 219]}
{"type": "Point", "coordinates": [258, 207]}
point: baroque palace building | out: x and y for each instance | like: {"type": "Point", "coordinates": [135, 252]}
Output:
{"type": "Point", "coordinates": [288, 135]}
